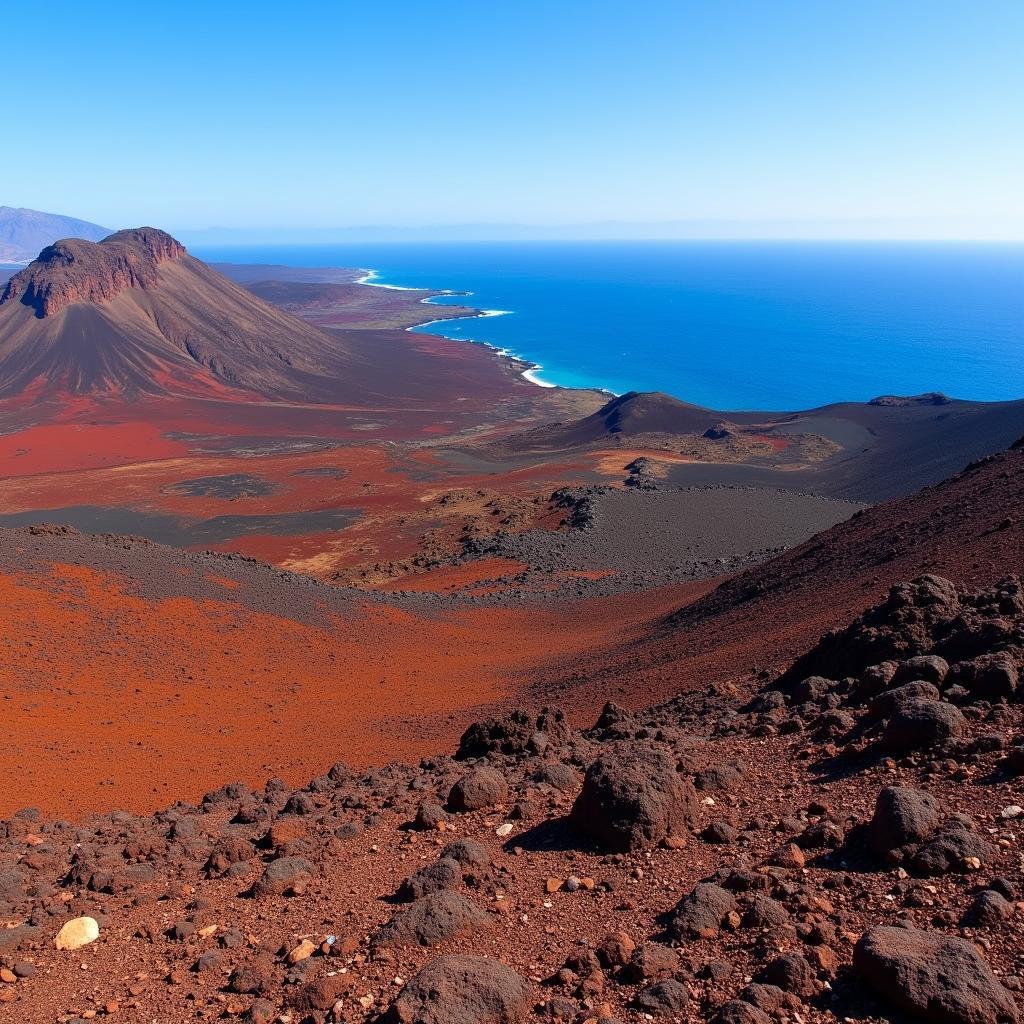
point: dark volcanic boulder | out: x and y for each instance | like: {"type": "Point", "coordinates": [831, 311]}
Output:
{"type": "Point", "coordinates": [701, 912]}
{"type": "Point", "coordinates": [937, 977]}
{"type": "Point", "coordinates": [286, 876]}
{"type": "Point", "coordinates": [517, 733]}
{"type": "Point", "coordinates": [719, 778]}
{"type": "Point", "coordinates": [435, 918]}
{"type": "Point", "coordinates": [927, 667]}
{"type": "Point", "coordinates": [901, 627]}
{"type": "Point", "coordinates": [989, 910]}
{"type": "Point", "coordinates": [990, 675]}
{"type": "Point", "coordinates": [792, 973]}
{"type": "Point", "coordinates": [461, 990]}
{"type": "Point", "coordinates": [951, 849]}
{"type": "Point", "coordinates": [562, 777]}
{"type": "Point", "coordinates": [920, 724]}
{"type": "Point", "coordinates": [651, 961]}
{"type": "Point", "coordinates": [663, 997]}
{"type": "Point", "coordinates": [903, 817]}
{"type": "Point", "coordinates": [319, 994]}
{"type": "Point", "coordinates": [764, 912]}
{"type": "Point", "coordinates": [445, 873]}
{"type": "Point", "coordinates": [482, 787]}
{"type": "Point", "coordinates": [1013, 763]}
{"type": "Point", "coordinates": [632, 798]}
{"type": "Point", "coordinates": [736, 1011]}
{"type": "Point", "coordinates": [473, 857]}
{"type": "Point", "coordinates": [886, 703]}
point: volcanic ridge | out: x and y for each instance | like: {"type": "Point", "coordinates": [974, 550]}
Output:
{"type": "Point", "coordinates": [135, 313]}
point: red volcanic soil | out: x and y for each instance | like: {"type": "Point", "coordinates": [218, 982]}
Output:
{"type": "Point", "coordinates": [56, 448]}
{"type": "Point", "coordinates": [133, 675]}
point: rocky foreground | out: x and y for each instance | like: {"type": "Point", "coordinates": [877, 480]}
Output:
{"type": "Point", "coordinates": [843, 842]}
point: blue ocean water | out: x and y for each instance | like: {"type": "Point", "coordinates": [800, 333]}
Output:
{"type": "Point", "coordinates": [751, 325]}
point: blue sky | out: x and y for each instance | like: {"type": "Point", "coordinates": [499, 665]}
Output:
{"type": "Point", "coordinates": [749, 117]}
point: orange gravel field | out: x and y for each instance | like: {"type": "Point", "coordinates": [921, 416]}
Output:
{"type": "Point", "coordinates": [110, 698]}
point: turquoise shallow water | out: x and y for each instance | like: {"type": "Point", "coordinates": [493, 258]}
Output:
{"type": "Point", "coordinates": [727, 325]}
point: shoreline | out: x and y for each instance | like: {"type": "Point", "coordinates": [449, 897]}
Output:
{"type": "Point", "coordinates": [530, 369]}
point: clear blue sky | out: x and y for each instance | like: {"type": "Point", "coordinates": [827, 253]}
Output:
{"type": "Point", "coordinates": [895, 117]}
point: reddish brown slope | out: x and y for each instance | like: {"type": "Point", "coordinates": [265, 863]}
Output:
{"type": "Point", "coordinates": [147, 674]}
{"type": "Point", "coordinates": [969, 528]}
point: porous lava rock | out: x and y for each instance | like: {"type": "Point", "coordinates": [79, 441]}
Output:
{"type": "Point", "coordinates": [663, 998]}
{"type": "Point", "coordinates": [934, 976]}
{"type": "Point", "coordinates": [632, 798]}
{"type": "Point", "coordinates": [286, 876]}
{"type": "Point", "coordinates": [903, 817]}
{"type": "Point", "coordinates": [435, 918]}
{"type": "Point", "coordinates": [461, 990]}
{"type": "Point", "coordinates": [700, 913]}
{"type": "Point", "coordinates": [482, 787]}
{"type": "Point", "coordinates": [921, 724]}
{"type": "Point", "coordinates": [515, 733]}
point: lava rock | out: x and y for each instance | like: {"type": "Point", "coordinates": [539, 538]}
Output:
{"type": "Point", "coordinates": [903, 817]}
{"type": "Point", "coordinates": [921, 724]}
{"type": "Point", "coordinates": [949, 850]}
{"type": "Point", "coordinates": [735, 1011]}
{"type": "Point", "coordinates": [473, 856]}
{"type": "Point", "coordinates": [286, 876]}
{"type": "Point", "coordinates": [937, 977]}
{"type": "Point", "coordinates": [434, 919]}
{"type": "Point", "coordinates": [701, 912]}
{"type": "Point", "coordinates": [632, 798]}
{"type": "Point", "coordinates": [516, 733]}
{"type": "Point", "coordinates": [792, 973]}
{"type": "Point", "coordinates": [483, 787]}
{"type": "Point", "coordinates": [445, 873]}
{"type": "Point", "coordinates": [651, 961]}
{"type": "Point", "coordinates": [663, 997]}
{"type": "Point", "coordinates": [988, 910]}
{"type": "Point", "coordinates": [319, 994]}
{"type": "Point", "coordinates": [461, 990]}
{"type": "Point", "coordinates": [886, 704]}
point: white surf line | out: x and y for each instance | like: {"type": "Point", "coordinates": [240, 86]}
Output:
{"type": "Point", "coordinates": [532, 369]}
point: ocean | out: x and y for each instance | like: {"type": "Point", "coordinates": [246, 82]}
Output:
{"type": "Point", "coordinates": [728, 325]}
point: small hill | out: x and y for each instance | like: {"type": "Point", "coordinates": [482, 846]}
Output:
{"type": "Point", "coordinates": [136, 314]}
{"type": "Point", "coordinates": [634, 414]}
{"type": "Point", "coordinates": [24, 232]}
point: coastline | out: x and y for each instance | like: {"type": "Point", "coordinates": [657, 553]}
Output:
{"type": "Point", "coordinates": [526, 368]}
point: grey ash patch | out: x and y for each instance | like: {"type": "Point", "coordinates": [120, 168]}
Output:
{"type": "Point", "coordinates": [251, 446]}
{"type": "Point", "coordinates": [182, 532]}
{"type": "Point", "coordinates": [231, 486]}
{"type": "Point", "coordinates": [156, 571]}
{"type": "Point", "coordinates": [650, 537]}
{"type": "Point", "coordinates": [330, 472]}
{"type": "Point", "coordinates": [666, 534]}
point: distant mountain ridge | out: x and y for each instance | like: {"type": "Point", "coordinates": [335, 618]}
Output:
{"type": "Point", "coordinates": [24, 232]}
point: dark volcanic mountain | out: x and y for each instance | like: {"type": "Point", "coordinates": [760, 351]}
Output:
{"type": "Point", "coordinates": [136, 314]}
{"type": "Point", "coordinates": [24, 232]}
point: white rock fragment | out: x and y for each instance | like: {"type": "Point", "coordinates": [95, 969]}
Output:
{"type": "Point", "coordinates": [76, 933]}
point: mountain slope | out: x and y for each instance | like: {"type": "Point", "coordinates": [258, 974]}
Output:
{"type": "Point", "coordinates": [968, 528]}
{"type": "Point", "coordinates": [24, 232]}
{"type": "Point", "coordinates": [135, 313]}
{"type": "Point", "coordinates": [862, 451]}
